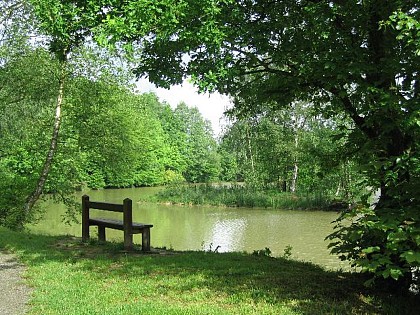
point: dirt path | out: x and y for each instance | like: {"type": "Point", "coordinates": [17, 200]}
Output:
{"type": "Point", "coordinates": [14, 294]}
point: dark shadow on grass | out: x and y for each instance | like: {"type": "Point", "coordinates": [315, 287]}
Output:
{"type": "Point", "coordinates": [262, 279]}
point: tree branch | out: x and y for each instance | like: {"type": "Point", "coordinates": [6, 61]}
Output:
{"type": "Point", "coordinates": [360, 121]}
{"type": "Point", "coordinates": [9, 10]}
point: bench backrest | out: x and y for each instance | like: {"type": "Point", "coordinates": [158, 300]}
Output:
{"type": "Point", "coordinates": [126, 208]}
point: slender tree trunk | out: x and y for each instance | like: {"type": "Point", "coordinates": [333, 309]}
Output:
{"type": "Point", "coordinates": [337, 192]}
{"type": "Point", "coordinates": [293, 184]}
{"type": "Point", "coordinates": [32, 199]}
{"type": "Point", "coordinates": [251, 157]}
{"type": "Point", "coordinates": [295, 177]}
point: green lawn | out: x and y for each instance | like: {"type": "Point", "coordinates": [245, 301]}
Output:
{"type": "Point", "coordinates": [69, 277]}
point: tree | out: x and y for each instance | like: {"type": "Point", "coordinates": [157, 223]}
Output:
{"type": "Point", "coordinates": [16, 26]}
{"type": "Point", "coordinates": [33, 80]}
{"type": "Point", "coordinates": [26, 95]}
{"type": "Point", "coordinates": [198, 147]}
{"type": "Point", "coordinates": [291, 149]}
{"type": "Point", "coordinates": [64, 33]}
{"type": "Point", "coordinates": [64, 29]}
{"type": "Point", "coordinates": [175, 137]}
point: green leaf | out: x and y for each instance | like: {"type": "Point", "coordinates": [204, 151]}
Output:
{"type": "Point", "coordinates": [411, 256]}
{"type": "Point", "coordinates": [395, 273]}
{"type": "Point", "coordinates": [371, 249]}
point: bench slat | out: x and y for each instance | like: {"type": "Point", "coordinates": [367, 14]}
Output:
{"type": "Point", "coordinates": [106, 206]}
{"type": "Point", "coordinates": [118, 224]}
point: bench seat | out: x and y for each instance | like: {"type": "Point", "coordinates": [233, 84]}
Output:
{"type": "Point", "coordinates": [119, 224]}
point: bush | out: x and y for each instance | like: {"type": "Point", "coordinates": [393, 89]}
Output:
{"type": "Point", "coordinates": [384, 244]}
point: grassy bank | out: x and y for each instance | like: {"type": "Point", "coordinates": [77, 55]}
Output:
{"type": "Point", "coordinates": [69, 277]}
{"type": "Point", "coordinates": [239, 196]}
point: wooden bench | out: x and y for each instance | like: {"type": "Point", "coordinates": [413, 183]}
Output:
{"type": "Point", "coordinates": [127, 225]}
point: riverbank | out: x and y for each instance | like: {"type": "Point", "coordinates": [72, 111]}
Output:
{"type": "Point", "coordinates": [69, 277]}
{"type": "Point", "coordinates": [242, 196]}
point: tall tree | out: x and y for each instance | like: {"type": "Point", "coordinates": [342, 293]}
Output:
{"type": "Point", "coordinates": [64, 33]}
{"type": "Point", "coordinates": [286, 145]}
{"type": "Point", "coordinates": [198, 148]}
{"type": "Point", "coordinates": [26, 95]}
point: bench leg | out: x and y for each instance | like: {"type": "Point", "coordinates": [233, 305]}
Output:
{"type": "Point", "coordinates": [145, 240]}
{"type": "Point", "coordinates": [128, 240]}
{"type": "Point", "coordinates": [85, 218]}
{"type": "Point", "coordinates": [85, 232]}
{"type": "Point", "coordinates": [101, 233]}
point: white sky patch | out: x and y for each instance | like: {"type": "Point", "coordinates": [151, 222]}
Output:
{"type": "Point", "coordinates": [211, 106]}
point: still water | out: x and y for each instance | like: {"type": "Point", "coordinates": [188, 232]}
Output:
{"type": "Point", "coordinates": [204, 228]}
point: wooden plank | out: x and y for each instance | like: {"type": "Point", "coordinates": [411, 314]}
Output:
{"type": "Point", "coordinates": [117, 223]}
{"type": "Point", "coordinates": [106, 206]}
{"type": "Point", "coordinates": [141, 225]}
{"type": "Point", "coordinates": [113, 224]}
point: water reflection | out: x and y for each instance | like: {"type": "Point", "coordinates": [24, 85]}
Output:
{"type": "Point", "coordinates": [196, 228]}
{"type": "Point", "coordinates": [227, 235]}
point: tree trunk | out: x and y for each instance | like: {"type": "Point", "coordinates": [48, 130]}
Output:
{"type": "Point", "coordinates": [293, 184]}
{"type": "Point", "coordinates": [251, 157]}
{"type": "Point", "coordinates": [337, 191]}
{"type": "Point", "coordinates": [32, 199]}
{"type": "Point", "coordinates": [295, 177]}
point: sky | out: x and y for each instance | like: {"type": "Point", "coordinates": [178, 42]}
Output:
{"type": "Point", "coordinates": [211, 106]}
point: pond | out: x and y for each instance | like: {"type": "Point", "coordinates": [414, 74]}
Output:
{"type": "Point", "coordinates": [208, 228]}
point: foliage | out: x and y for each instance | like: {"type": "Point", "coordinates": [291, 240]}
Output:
{"type": "Point", "coordinates": [228, 164]}
{"type": "Point", "coordinates": [103, 278]}
{"type": "Point", "coordinates": [240, 196]}
{"type": "Point", "coordinates": [139, 144]}
{"type": "Point", "coordinates": [196, 145]}
{"type": "Point", "coordinates": [294, 151]}
{"type": "Point", "coordinates": [16, 24]}
{"type": "Point", "coordinates": [26, 97]}
{"type": "Point", "coordinates": [385, 244]}
{"type": "Point", "coordinates": [287, 252]}
{"type": "Point", "coordinates": [407, 23]}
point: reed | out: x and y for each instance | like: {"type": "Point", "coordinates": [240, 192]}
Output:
{"type": "Point", "coordinates": [241, 196]}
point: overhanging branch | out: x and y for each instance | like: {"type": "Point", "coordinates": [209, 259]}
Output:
{"type": "Point", "coordinates": [360, 121]}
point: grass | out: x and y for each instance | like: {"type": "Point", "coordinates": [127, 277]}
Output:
{"type": "Point", "coordinates": [69, 277]}
{"type": "Point", "coordinates": [239, 196]}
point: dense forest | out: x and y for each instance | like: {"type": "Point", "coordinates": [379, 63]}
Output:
{"type": "Point", "coordinates": [325, 93]}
